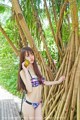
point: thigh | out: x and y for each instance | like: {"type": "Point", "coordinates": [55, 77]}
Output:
{"type": "Point", "coordinates": [28, 111]}
{"type": "Point", "coordinates": [38, 112]}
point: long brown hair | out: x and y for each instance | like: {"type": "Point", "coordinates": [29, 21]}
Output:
{"type": "Point", "coordinates": [23, 51]}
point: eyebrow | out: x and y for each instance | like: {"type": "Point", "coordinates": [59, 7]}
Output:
{"type": "Point", "coordinates": [29, 52]}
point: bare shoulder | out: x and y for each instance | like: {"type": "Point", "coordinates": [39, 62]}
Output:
{"type": "Point", "coordinates": [22, 72]}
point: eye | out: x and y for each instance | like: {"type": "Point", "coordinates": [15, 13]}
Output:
{"type": "Point", "coordinates": [27, 55]}
{"type": "Point", "coordinates": [32, 54]}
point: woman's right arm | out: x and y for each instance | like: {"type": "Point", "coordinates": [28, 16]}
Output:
{"type": "Point", "coordinates": [26, 80]}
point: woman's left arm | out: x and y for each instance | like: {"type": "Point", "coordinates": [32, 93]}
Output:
{"type": "Point", "coordinates": [61, 79]}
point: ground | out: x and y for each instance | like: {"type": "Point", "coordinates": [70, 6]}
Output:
{"type": "Point", "coordinates": [4, 94]}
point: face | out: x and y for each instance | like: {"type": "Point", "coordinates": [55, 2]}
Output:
{"type": "Point", "coordinates": [29, 56]}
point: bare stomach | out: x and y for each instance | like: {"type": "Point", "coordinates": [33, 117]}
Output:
{"type": "Point", "coordinates": [35, 95]}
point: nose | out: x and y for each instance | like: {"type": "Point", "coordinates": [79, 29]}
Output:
{"type": "Point", "coordinates": [31, 56]}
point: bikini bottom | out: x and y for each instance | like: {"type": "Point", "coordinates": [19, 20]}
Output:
{"type": "Point", "coordinates": [34, 104]}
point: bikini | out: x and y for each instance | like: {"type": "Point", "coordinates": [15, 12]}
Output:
{"type": "Point", "coordinates": [35, 82]}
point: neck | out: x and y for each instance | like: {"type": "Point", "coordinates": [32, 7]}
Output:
{"type": "Point", "coordinates": [31, 66]}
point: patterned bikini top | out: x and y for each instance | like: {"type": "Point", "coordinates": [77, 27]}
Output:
{"type": "Point", "coordinates": [35, 82]}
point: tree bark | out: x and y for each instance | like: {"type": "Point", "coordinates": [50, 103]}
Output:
{"type": "Point", "coordinates": [38, 23]}
{"type": "Point", "coordinates": [9, 41]}
{"type": "Point", "coordinates": [60, 101]}
{"type": "Point", "coordinates": [56, 37]}
{"type": "Point", "coordinates": [23, 38]}
{"type": "Point", "coordinates": [27, 33]}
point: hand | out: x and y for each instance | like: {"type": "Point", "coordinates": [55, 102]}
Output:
{"type": "Point", "coordinates": [24, 68]}
{"type": "Point", "coordinates": [61, 79]}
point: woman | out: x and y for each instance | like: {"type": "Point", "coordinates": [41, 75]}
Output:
{"type": "Point", "coordinates": [32, 81]}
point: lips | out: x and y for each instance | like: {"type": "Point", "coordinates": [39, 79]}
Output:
{"type": "Point", "coordinates": [32, 61]}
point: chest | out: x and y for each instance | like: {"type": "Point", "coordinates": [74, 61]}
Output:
{"type": "Point", "coordinates": [34, 79]}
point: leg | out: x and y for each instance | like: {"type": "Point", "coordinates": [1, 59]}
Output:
{"type": "Point", "coordinates": [38, 112]}
{"type": "Point", "coordinates": [28, 111]}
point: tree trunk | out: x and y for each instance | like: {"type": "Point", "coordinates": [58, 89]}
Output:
{"type": "Point", "coordinates": [23, 38]}
{"type": "Point", "coordinates": [9, 41]}
{"type": "Point", "coordinates": [67, 105]}
{"type": "Point", "coordinates": [54, 11]}
{"type": "Point", "coordinates": [60, 102]}
{"type": "Point", "coordinates": [38, 23]}
{"type": "Point", "coordinates": [57, 37]}
{"type": "Point", "coordinates": [27, 33]}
